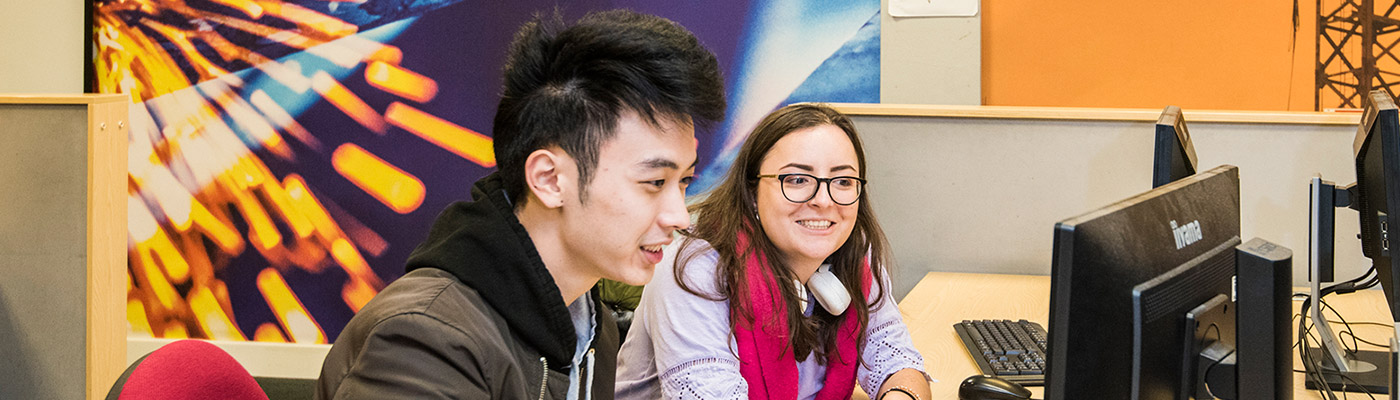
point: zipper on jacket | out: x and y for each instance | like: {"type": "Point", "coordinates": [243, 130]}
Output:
{"type": "Point", "coordinates": [588, 388]}
{"type": "Point", "coordinates": [544, 380]}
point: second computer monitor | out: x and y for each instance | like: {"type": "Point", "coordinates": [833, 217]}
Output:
{"type": "Point", "coordinates": [1377, 151]}
{"type": "Point", "coordinates": [1173, 155]}
{"type": "Point", "coordinates": [1101, 256]}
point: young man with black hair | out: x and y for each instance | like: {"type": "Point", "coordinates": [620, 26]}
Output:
{"type": "Point", "coordinates": [595, 143]}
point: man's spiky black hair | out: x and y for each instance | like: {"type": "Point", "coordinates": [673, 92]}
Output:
{"type": "Point", "coordinates": [568, 86]}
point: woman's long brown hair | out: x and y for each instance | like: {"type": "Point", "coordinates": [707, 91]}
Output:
{"type": "Point", "coordinates": [730, 208]}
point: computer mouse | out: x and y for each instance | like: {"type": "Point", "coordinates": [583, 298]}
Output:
{"type": "Point", "coordinates": [984, 387]}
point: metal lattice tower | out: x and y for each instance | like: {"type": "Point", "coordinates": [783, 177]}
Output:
{"type": "Point", "coordinates": [1356, 44]}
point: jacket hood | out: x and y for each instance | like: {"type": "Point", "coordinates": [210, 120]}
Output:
{"type": "Point", "coordinates": [483, 244]}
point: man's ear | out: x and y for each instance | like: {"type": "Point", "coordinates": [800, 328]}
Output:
{"type": "Point", "coordinates": [544, 176]}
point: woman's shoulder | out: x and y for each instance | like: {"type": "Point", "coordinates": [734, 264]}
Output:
{"type": "Point", "coordinates": [695, 260]}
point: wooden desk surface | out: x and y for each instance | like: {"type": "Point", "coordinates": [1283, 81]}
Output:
{"type": "Point", "coordinates": [943, 298]}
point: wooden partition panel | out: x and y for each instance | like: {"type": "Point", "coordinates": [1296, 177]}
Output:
{"type": "Point", "coordinates": [62, 244]}
{"type": "Point", "coordinates": [979, 188]}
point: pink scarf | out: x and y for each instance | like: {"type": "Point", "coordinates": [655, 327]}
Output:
{"type": "Point", "coordinates": [770, 370]}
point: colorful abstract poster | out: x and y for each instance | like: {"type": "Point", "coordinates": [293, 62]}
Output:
{"type": "Point", "coordinates": [285, 157]}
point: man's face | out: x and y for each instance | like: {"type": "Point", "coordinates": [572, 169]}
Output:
{"type": "Point", "coordinates": [634, 202]}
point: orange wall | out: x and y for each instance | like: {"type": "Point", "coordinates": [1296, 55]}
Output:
{"type": "Point", "coordinates": [1197, 54]}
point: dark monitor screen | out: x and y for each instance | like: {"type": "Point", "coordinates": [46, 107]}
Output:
{"type": "Point", "coordinates": [1173, 155]}
{"type": "Point", "coordinates": [1377, 151]}
{"type": "Point", "coordinates": [1098, 259]}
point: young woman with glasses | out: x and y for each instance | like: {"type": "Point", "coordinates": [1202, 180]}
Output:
{"type": "Point", "coordinates": [758, 302]}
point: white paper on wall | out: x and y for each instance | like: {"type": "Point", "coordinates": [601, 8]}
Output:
{"type": "Point", "coordinates": [933, 8]}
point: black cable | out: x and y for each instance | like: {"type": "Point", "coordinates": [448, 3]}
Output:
{"type": "Point", "coordinates": [1357, 384]}
{"type": "Point", "coordinates": [1381, 324]}
{"type": "Point", "coordinates": [1212, 366]}
{"type": "Point", "coordinates": [1207, 332]}
{"type": "Point", "coordinates": [1351, 285]}
{"type": "Point", "coordinates": [1375, 278]}
{"type": "Point", "coordinates": [1362, 340]}
{"type": "Point", "coordinates": [1312, 369]}
{"type": "Point", "coordinates": [1319, 372]}
{"type": "Point", "coordinates": [1358, 338]}
{"type": "Point", "coordinates": [1354, 347]}
{"type": "Point", "coordinates": [1290, 321]}
{"type": "Point", "coordinates": [1200, 344]}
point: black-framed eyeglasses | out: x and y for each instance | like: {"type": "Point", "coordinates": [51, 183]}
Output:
{"type": "Point", "coordinates": [801, 188]}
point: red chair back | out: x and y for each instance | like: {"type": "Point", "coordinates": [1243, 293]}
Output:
{"type": "Point", "coordinates": [186, 370]}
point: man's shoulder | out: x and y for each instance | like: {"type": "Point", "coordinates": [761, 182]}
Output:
{"type": "Point", "coordinates": [427, 311]}
{"type": "Point", "coordinates": [433, 293]}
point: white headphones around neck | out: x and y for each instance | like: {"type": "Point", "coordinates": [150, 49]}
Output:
{"type": "Point", "coordinates": [827, 289]}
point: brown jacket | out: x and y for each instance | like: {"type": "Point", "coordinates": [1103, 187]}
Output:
{"type": "Point", "coordinates": [476, 317]}
{"type": "Point", "coordinates": [434, 338]}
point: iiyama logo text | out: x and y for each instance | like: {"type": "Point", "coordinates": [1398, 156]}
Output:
{"type": "Point", "coordinates": [1186, 234]}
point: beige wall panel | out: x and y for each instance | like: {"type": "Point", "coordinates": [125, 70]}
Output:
{"type": "Point", "coordinates": [973, 194]}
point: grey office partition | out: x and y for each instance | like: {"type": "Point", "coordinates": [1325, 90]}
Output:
{"type": "Point", "coordinates": [62, 245]}
{"type": "Point", "coordinates": [978, 189]}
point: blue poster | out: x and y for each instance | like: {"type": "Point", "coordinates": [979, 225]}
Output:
{"type": "Point", "coordinates": [285, 158]}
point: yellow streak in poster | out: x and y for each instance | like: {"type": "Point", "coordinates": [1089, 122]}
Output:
{"type": "Point", "coordinates": [464, 142]}
{"type": "Point", "coordinates": [404, 83]}
{"type": "Point", "coordinates": [288, 308]}
{"type": "Point", "coordinates": [269, 333]}
{"type": "Point", "coordinates": [216, 324]}
{"type": "Point", "coordinates": [402, 192]}
{"type": "Point", "coordinates": [342, 98]}
{"type": "Point", "coordinates": [356, 293]}
{"type": "Point", "coordinates": [136, 318]}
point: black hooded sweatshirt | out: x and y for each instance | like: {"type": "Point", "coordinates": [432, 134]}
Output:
{"type": "Point", "coordinates": [477, 316]}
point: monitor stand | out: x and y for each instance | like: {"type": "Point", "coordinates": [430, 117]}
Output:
{"type": "Point", "coordinates": [1362, 371]}
{"type": "Point", "coordinates": [1365, 371]}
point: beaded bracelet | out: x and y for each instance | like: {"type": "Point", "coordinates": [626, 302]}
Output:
{"type": "Point", "coordinates": [900, 389]}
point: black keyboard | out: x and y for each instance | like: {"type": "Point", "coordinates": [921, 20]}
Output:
{"type": "Point", "coordinates": [1011, 350]}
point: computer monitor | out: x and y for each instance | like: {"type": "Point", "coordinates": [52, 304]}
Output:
{"type": "Point", "coordinates": [1374, 195]}
{"type": "Point", "coordinates": [1101, 256]}
{"type": "Point", "coordinates": [1173, 155]}
{"type": "Point", "coordinates": [1377, 152]}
